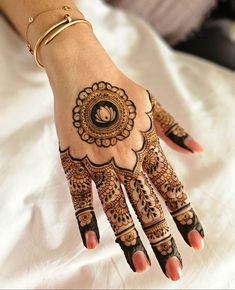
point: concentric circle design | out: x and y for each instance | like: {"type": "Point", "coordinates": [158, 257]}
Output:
{"type": "Point", "coordinates": [103, 114]}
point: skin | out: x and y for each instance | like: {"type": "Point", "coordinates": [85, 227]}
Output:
{"type": "Point", "coordinates": [74, 60]}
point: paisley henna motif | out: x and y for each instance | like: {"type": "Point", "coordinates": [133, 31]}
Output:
{"type": "Point", "coordinates": [149, 212]}
{"type": "Point", "coordinates": [81, 193]}
{"type": "Point", "coordinates": [104, 115]}
{"type": "Point", "coordinates": [115, 207]}
{"type": "Point", "coordinates": [168, 185]}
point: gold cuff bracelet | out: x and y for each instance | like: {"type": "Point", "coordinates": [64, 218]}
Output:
{"type": "Point", "coordinates": [65, 23]}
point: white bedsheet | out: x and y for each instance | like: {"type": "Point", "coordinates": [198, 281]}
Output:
{"type": "Point", "coordinates": [40, 246]}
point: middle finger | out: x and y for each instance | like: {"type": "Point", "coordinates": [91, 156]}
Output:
{"type": "Point", "coordinates": [151, 217]}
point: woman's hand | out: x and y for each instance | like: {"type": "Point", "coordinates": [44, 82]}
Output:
{"type": "Point", "coordinates": [108, 128]}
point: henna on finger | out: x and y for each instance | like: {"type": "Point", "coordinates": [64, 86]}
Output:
{"type": "Point", "coordinates": [168, 185]}
{"type": "Point", "coordinates": [168, 125]}
{"type": "Point", "coordinates": [104, 117]}
{"type": "Point", "coordinates": [81, 192]}
{"type": "Point", "coordinates": [149, 212]}
{"type": "Point", "coordinates": [117, 212]}
{"type": "Point", "coordinates": [112, 200]}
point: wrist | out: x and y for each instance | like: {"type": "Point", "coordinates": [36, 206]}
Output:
{"type": "Point", "coordinates": [73, 39]}
{"type": "Point", "coordinates": [61, 19]}
{"type": "Point", "coordinates": [40, 23]}
{"type": "Point", "coordinates": [75, 55]}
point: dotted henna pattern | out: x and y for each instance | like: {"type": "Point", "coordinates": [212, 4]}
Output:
{"type": "Point", "coordinates": [81, 193]}
{"type": "Point", "coordinates": [103, 114]}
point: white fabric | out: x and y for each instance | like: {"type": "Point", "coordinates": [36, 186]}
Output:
{"type": "Point", "coordinates": [40, 245]}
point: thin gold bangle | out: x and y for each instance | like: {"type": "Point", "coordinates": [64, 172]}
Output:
{"type": "Point", "coordinates": [59, 30]}
{"type": "Point", "coordinates": [67, 22]}
{"type": "Point", "coordinates": [35, 51]}
{"type": "Point", "coordinates": [32, 19]}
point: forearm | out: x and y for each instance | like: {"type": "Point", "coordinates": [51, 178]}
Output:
{"type": "Point", "coordinates": [19, 11]}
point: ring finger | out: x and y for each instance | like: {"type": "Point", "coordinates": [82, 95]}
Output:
{"type": "Point", "coordinates": [171, 189]}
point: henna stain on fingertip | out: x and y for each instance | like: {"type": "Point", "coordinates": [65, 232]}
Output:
{"type": "Point", "coordinates": [129, 251]}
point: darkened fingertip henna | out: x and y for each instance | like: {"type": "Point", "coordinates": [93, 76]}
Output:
{"type": "Point", "coordinates": [103, 117]}
{"type": "Point", "coordinates": [87, 222]}
{"type": "Point", "coordinates": [179, 137]}
{"type": "Point", "coordinates": [165, 250]}
{"type": "Point", "coordinates": [187, 222]}
{"type": "Point", "coordinates": [151, 217]}
{"type": "Point", "coordinates": [129, 250]}
{"type": "Point", "coordinates": [168, 185]}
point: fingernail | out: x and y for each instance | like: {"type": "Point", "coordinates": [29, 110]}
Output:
{"type": "Point", "coordinates": [173, 269]}
{"type": "Point", "coordinates": [140, 261]}
{"type": "Point", "coordinates": [193, 145]}
{"type": "Point", "coordinates": [196, 240]}
{"type": "Point", "coordinates": [91, 240]}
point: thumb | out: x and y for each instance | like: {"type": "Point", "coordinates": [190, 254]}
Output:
{"type": "Point", "coordinates": [171, 132]}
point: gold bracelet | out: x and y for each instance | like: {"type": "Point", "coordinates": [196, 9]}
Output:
{"type": "Point", "coordinates": [35, 51]}
{"type": "Point", "coordinates": [67, 21]}
{"type": "Point", "coordinates": [49, 39]}
{"type": "Point", "coordinates": [32, 19]}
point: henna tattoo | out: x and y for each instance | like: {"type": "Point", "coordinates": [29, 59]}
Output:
{"type": "Point", "coordinates": [187, 221]}
{"type": "Point", "coordinates": [115, 207]}
{"type": "Point", "coordinates": [165, 250]}
{"type": "Point", "coordinates": [103, 114]}
{"type": "Point", "coordinates": [170, 128]}
{"type": "Point", "coordinates": [81, 193]}
{"type": "Point", "coordinates": [150, 141]}
{"type": "Point", "coordinates": [129, 251]}
{"type": "Point", "coordinates": [110, 193]}
{"type": "Point", "coordinates": [149, 212]}
{"type": "Point", "coordinates": [165, 180]}
{"type": "Point", "coordinates": [112, 198]}
{"type": "Point", "coordinates": [105, 108]}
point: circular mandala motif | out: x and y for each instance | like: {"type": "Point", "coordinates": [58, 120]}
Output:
{"type": "Point", "coordinates": [103, 114]}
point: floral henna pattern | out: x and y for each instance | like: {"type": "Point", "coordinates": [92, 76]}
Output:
{"type": "Point", "coordinates": [84, 218]}
{"type": "Point", "coordinates": [130, 238]}
{"type": "Point", "coordinates": [130, 250]}
{"type": "Point", "coordinates": [151, 217]}
{"type": "Point", "coordinates": [164, 250]}
{"type": "Point", "coordinates": [115, 207]}
{"type": "Point", "coordinates": [170, 128]}
{"type": "Point", "coordinates": [165, 180]}
{"type": "Point", "coordinates": [103, 114]}
{"type": "Point", "coordinates": [112, 198]}
{"type": "Point", "coordinates": [186, 222]}
{"type": "Point", "coordinates": [81, 193]}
